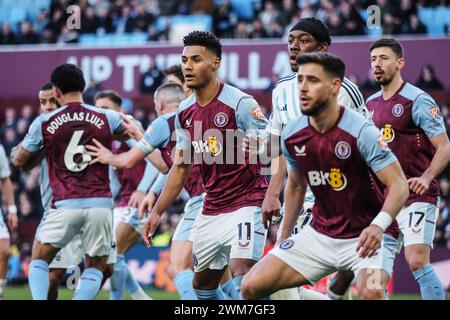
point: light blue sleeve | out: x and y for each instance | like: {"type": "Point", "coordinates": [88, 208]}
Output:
{"type": "Point", "coordinates": [159, 184]}
{"type": "Point", "coordinates": [183, 140]}
{"type": "Point", "coordinates": [148, 178]}
{"type": "Point", "coordinates": [4, 164]}
{"type": "Point", "coordinates": [33, 141]}
{"type": "Point", "coordinates": [374, 149]}
{"type": "Point", "coordinates": [249, 117]}
{"type": "Point", "coordinates": [115, 121]}
{"type": "Point", "coordinates": [292, 165]}
{"type": "Point", "coordinates": [131, 143]}
{"type": "Point", "coordinates": [114, 182]}
{"type": "Point", "coordinates": [427, 116]}
{"type": "Point", "coordinates": [156, 136]}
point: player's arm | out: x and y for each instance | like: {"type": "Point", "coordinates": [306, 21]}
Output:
{"type": "Point", "coordinates": [124, 160]}
{"type": "Point", "coordinates": [428, 117]}
{"type": "Point", "coordinates": [294, 196]}
{"type": "Point", "coordinates": [24, 155]}
{"type": "Point", "coordinates": [176, 178]}
{"type": "Point", "coordinates": [440, 160]}
{"type": "Point", "coordinates": [147, 204]}
{"type": "Point", "coordinates": [33, 160]}
{"type": "Point", "coordinates": [383, 162]}
{"type": "Point", "coordinates": [271, 205]}
{"type": "Point", "coordinates": [7, 189]}
{"type": "Point", "coordinates": [149, 176]}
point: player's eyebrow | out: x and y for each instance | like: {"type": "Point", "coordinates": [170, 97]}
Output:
{"type": "Point", "coordinates": [192, 57]}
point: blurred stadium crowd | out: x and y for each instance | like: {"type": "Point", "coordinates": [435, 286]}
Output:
{"type": "Point", "coordinates": [140, 21]}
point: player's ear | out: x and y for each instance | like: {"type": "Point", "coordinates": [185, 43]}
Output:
{"type": "Point", "coordinates": [323, 47]}
{"type": "Point", "coordinates": [216, 63]}
{"type": "Point", "coordinates": [336, 86]}
{"type": "Point", "coordinates": [401, 63]}
{"type": "Point", "coordinates": [57, 92]}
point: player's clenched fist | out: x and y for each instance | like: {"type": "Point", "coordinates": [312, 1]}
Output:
{"type": "Point", "coordinates": [150, 227]}
{"type": "Point", "coordinates": [369, 241]}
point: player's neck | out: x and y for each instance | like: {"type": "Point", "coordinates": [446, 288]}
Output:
{"type": "Point", "coordinates": [390, 89]}
{"type": "Point", "coordinates": [71, 98]}
{"type": "Point", "coordinates": [205, 95]}
{"type": "Point", "coordinates": [326, 119]}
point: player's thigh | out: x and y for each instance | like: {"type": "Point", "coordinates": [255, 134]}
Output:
{"type": "Point", "coordinates": [374, 272]}
{"type": "Point", "coordinates": [270, 274]}
{"type": "Point", "coordinates": [44, 252]}
{"type": "Point", "coordinates": [97, 234]}
{"type": "Point", "coordinates": [372, 284]}
{"type": "Point", "coordinates": [181, 254]}
{"type": "Point", "coordinates": [126, 237]}
{"type": "Point", "coordinates": [247, 236]}
{"type": "Point", "coordinates": [417, 222]}
{"type": "Point", "coordinates": [4, 248]}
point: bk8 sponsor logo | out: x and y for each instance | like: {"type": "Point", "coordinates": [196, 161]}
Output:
{"type": "Point", "coordinates": [335, 179]}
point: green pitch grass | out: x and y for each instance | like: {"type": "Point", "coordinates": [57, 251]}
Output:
{"type": "Point", "coordinates": [23, 293]}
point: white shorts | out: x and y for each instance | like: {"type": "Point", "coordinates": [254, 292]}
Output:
{"type": "Point", "coordinates": [94, 225]}
{"type": "Point", "coordinates": [417, 223]}
{"type": "Point", "coordinates": [4, 233]}
{"type": "Point", "coordinates": [129, 216]}
{"type": "Point", "coordinates": [315, 255]}
{"type": "Point", "coordinates": [234, 235]}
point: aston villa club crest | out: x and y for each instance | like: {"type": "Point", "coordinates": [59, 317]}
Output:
{"type": "Point", "coordinates": [221, 120]}
{"type": "Point", "coordinates": [342, 150]}
{"type": "Point", "coordinates": [286, 244]}
{"type": "Point", "coordinates": [397, 110]}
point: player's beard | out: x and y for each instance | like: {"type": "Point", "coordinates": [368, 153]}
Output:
{"type": "Point", "coordinates": [318, 106]}
{"type": "Point", "coordinates": [385, 80]}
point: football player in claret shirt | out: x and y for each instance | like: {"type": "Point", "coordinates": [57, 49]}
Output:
{"type": "Point", "coordinates": [413, 126]}
{"type": "Point", "coordinates": [340, 155]}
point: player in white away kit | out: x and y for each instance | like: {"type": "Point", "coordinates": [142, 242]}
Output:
{"type": "Point", "coordinates": [8, 194]}
{"type": "Point", "coordinates": [307, 35]}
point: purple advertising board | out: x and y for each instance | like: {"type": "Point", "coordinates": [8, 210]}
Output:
{"type": "Point", "coordinates": [404, 282]}
{"type": "Point", "coordinates": [248, 65]}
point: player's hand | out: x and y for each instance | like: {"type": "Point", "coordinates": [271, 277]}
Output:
{"type": "Point", "coordinates": [252, 144]}
{"type": "Point", "coordinates": [146, 205]}
{"type": "Point", "coordinates": [136, 199]}
{"type": "Point", "coordinates": [99, 152]}
{"type": "Point", "coordinates": [13, 221]}
{"type": "Point", "coordinates": [150, 227]}
{"type": "Point", "coordinates": [132, 127]}
{"type": "Point", "coordinates": [419, 185]}
{"type": "Point", "coordinates": [270, 209]}
{"type": "Point", "coordinates": [369, 241]}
